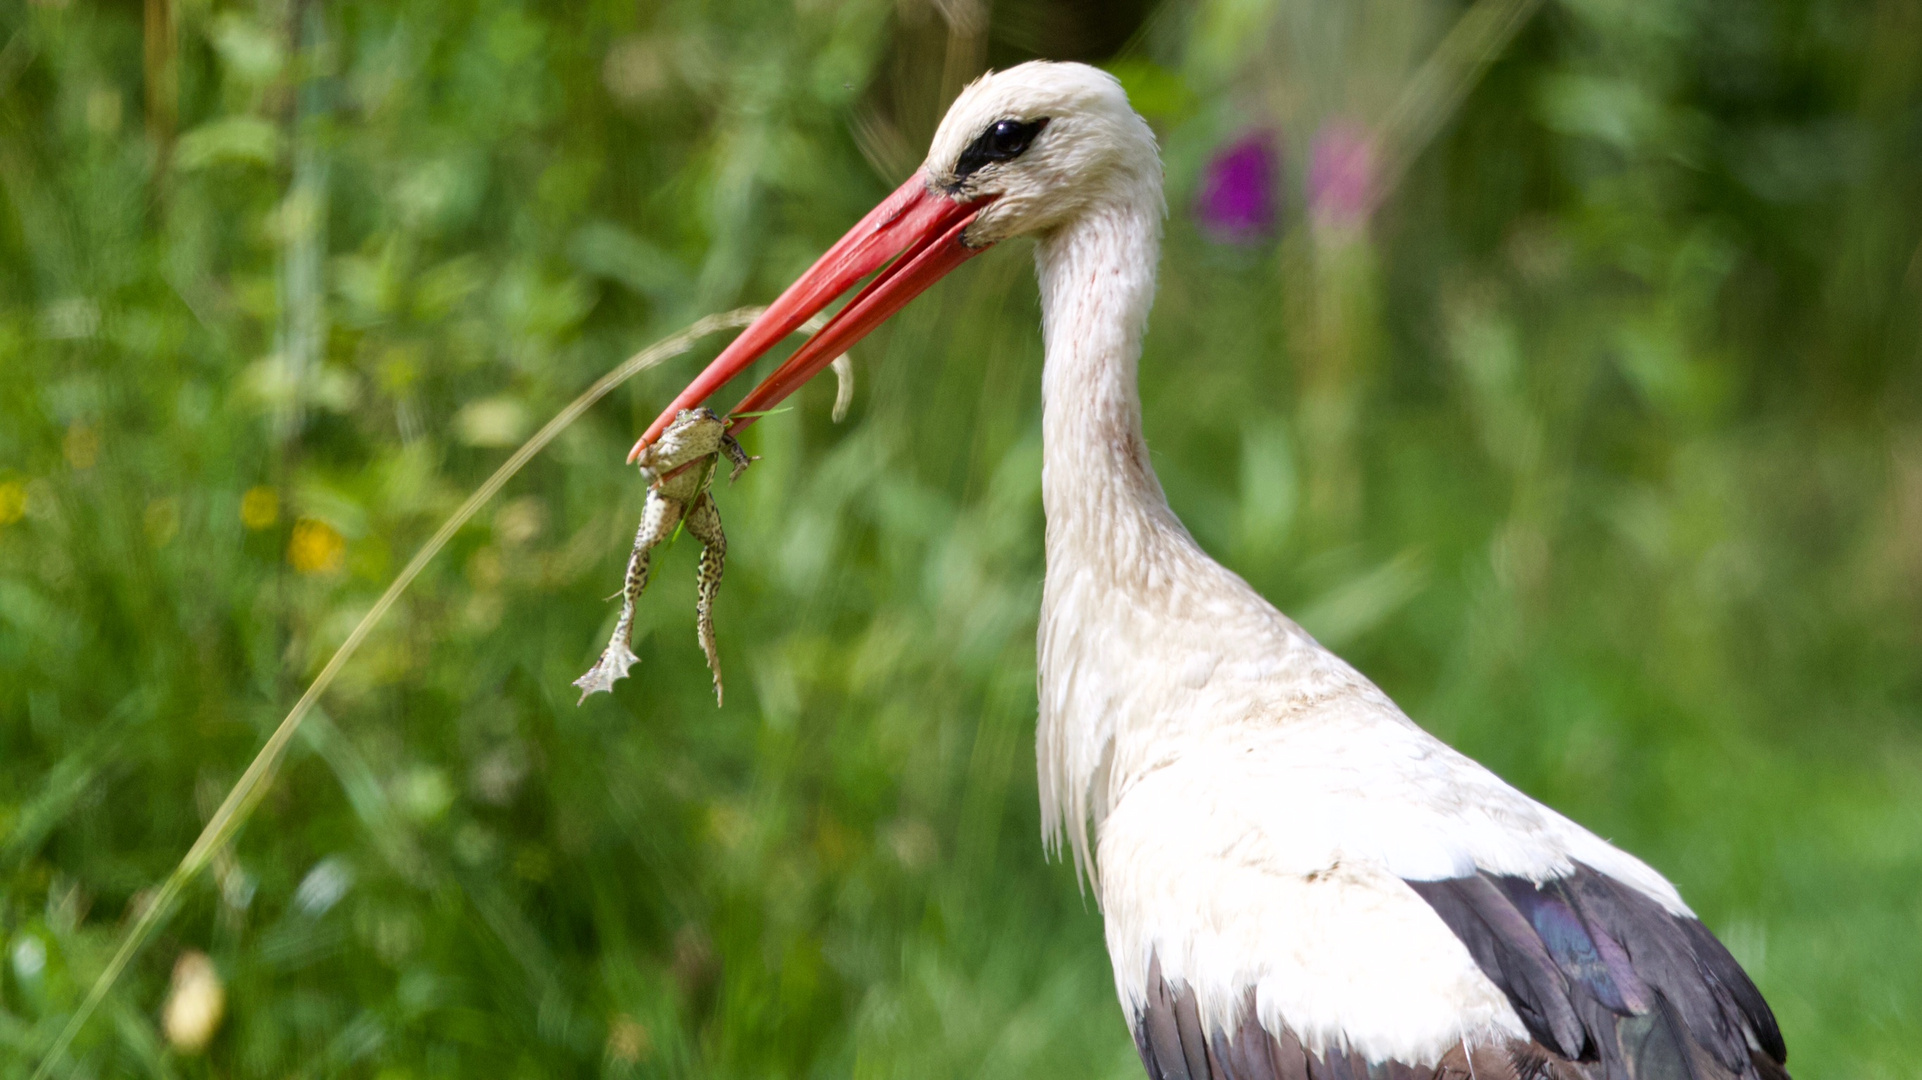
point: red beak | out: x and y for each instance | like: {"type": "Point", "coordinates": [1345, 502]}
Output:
{"type": "Point", "coordinates": [921, 226]}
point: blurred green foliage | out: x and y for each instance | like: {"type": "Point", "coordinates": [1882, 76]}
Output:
{"type": "Point", "coordinates": [1599, 446]}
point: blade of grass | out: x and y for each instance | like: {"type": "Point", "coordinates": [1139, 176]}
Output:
{"type": "Point", "coordinates": [247, 791]}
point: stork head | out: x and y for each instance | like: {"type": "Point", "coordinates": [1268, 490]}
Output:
{"type": "Point", "coordinates": [1039, 145]}
{"type": "Point", "coordinates": [1021, 151]}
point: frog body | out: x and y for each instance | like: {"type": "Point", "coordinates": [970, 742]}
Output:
{"type": "Point", "coordinates": [679, 467]}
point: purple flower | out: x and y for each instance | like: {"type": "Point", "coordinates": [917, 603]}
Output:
{"type": "Point", "coordinates": [1237, 202]}
{"type": "Point", "coordinates": [1341, 174]}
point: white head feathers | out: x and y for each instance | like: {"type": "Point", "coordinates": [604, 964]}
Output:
{"type": "Point", "coordinates": [1080, 145]}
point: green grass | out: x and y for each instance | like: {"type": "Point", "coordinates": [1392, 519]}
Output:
{"type": "Point", "coordinates": [1600, 450]}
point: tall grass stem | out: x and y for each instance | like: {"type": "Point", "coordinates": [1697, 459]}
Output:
{"type": "Point", "coordinates": [254, 783]}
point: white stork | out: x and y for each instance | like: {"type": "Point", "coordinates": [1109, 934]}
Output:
{"type": "Point", "coordinates": [1298, 883]}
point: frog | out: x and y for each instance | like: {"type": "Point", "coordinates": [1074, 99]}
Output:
{"type": "Point", "coordinates": [679, 468]}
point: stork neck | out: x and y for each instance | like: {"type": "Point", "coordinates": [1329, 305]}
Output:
{"type": "Point", "coordinates": [1101, 495]}
{"type": "Point", "coordinates": [1115, 550]}
{"type": "Point", "coordinates": [1144, 642]}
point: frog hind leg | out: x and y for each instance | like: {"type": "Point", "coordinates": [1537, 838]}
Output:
{"type": "Point", "coordinates": [704, 523]}
{"type": "Point", "coordinates": [658, 519]}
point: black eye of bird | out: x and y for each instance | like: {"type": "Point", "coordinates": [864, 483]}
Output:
{"type": "Point", "coordinates": [1003, 141]}
{"type": "Point", "coordinates": [1007, 138]}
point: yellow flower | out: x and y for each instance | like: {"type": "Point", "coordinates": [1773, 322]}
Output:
{"type": "Point", "coordinates": [13, 501]}
{"type": "Point", "coordinates": [259, 508]}
{"type": "Point", "coordinates": [316, 547]}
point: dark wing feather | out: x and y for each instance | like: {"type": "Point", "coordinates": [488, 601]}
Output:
{"type": "Point", "coordinates": [1250, 1053]}
{"type": "Point", "coordinates": [1173, 1046]}
{"type": "Point", "coordinates": [1157, 1033]}
{"type": "Point", "coordinates": [1653, 995]}
{"type": "Point", "coordinates": [1609, 984]}
{"type": "Point", "coordinates": [1509, 952]}
{"type": "Point", "coordinates": [1721, 969]}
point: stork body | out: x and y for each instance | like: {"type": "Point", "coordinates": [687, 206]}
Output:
{"type": "Point", "coordinates": [1298, 882]}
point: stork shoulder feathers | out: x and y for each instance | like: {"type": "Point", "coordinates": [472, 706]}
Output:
{"type": "Point", "coordinates": [1261, 810]}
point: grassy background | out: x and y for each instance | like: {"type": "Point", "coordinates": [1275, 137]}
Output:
{"type": "Point", "coordinates": [1599, 447]}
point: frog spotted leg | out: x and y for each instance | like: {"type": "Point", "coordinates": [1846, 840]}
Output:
{"type": "Point", "coordinates": [658, 519]}
{"type": "Point", "coordinates": [704, 524]}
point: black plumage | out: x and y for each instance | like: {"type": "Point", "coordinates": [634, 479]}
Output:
{"type": "Point", "coordinates": [1601, 973]}
{"type": "Point", "coordinates": [1609, 984]}
{"type": "Point", "coordinates": [1169, 1038]}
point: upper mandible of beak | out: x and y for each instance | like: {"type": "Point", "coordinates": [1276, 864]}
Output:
{"type": "Point", "coordinates": [919, 227]}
